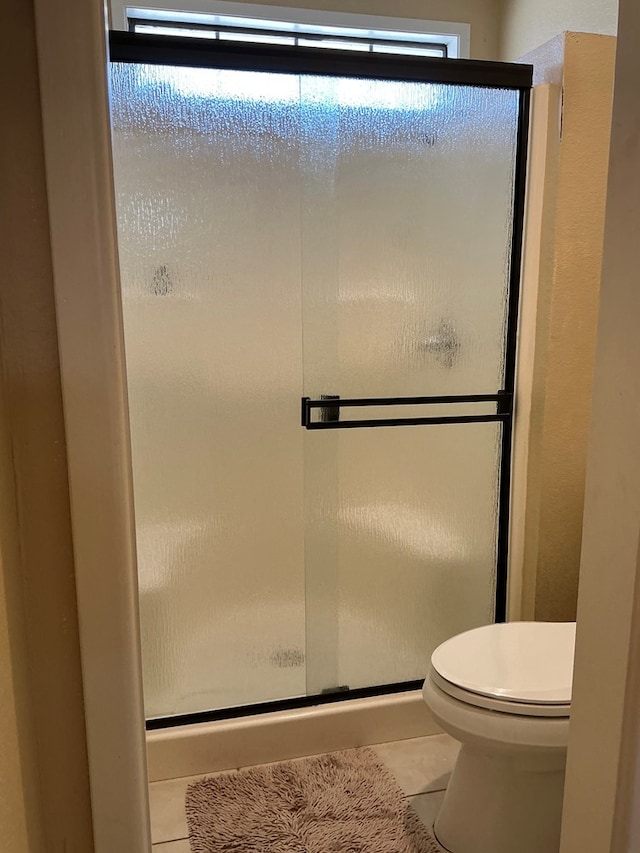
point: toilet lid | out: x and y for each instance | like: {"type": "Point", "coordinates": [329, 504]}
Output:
{"type": "Point", "coordinates": [516, 661]}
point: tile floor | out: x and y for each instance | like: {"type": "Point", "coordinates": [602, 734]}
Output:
{"type": "Point", "coordinates": [421, 767]}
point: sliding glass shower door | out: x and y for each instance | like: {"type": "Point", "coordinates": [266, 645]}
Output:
{"type": "Point", "coordinates": [318, 274]}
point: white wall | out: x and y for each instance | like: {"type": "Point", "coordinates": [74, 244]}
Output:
{"type": "Point", "coordinates": [526, 24]}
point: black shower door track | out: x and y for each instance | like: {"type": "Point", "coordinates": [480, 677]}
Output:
{"type": "Point", "coordinates": [148, 49]}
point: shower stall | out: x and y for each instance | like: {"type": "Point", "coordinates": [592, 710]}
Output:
{"type": "Point", "coordinates": [320, 262]}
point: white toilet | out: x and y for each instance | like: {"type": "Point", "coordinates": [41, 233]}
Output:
{"type": "Point", "coordinates": [504, 691]}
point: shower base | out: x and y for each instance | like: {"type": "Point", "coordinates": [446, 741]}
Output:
{"type": "Point", "coordinates": [191, 750]}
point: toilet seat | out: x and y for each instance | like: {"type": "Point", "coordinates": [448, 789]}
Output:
{"type": "Point", "coordinates": [522, 668]}
{"type": "Point", "coordinates": [490, 703]}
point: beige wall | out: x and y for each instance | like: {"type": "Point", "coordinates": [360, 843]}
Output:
{"type": "Point", "coordinates": [20, 820]}
{"type": "Point", "coordinates": [43, 775]}
{"type": "Point", "coordinates": [603, 737]}
{"type": "Point", "coordinates": [566, 290]}
{"type": "Point", "coordinates": [537, 276]}
{"type": "Point", "coordinates": [526, 24]}
{"type": "Point", "coordinates": [79, 181]}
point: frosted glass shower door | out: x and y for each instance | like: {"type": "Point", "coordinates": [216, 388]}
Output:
{"type": "Point", "coordinates": [289, 234]}
{"type": "Point", "coordinates": [207, 186]}
{"type": "Point", "coordinates": [407, 215]}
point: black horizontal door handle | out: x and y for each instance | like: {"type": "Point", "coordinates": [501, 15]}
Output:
{"type": "Point", "coordinates": [330, 405]}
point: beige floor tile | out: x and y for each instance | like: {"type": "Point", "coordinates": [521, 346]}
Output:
{"type": "Point", "coordinates": [426, 807]}
{"type": "Point", "coordinates": [420, 764]}
{"type": "Point", "coordinates": [166, 803]}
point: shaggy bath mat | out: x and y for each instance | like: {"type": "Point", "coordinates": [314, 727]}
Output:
{"type": "Point", "coordinates": [344, 802]}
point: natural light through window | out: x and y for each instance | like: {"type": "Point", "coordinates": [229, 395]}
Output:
{"type": "Point", "coordinates": [227, 20]}
{"type": "Point", "coordinates": [268, 87]}
{"type": "Point", "coordinates": [250, 34]}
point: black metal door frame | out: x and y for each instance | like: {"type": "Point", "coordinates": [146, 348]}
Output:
{"type": "Point", "coordinates": [149, 49]}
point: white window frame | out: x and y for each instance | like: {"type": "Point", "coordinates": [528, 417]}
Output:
{"type": "Point", "coordinates": [456, 37]}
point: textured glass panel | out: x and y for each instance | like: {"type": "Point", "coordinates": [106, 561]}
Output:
{"type": "Point", "coordinates": [361, 228]}
{"type": "Point", "coordinates": [207, 181]}
{"type": "Point", "coordinates": [407, 195]}
{"type": "Point", "coordinates": [404, 551]}
{"type": "Point", "coordinates": [407, 211]}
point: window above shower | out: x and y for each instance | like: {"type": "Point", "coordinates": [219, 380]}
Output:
{"type": "Point", "coordinates": [261, 24]}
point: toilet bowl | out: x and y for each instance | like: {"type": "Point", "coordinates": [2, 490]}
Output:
{"type": "Point", "coordinates": [504, 691]}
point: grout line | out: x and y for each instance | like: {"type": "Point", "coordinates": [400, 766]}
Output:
{"type": "Point", "coordinates": [424, 793]}
{"type": "Point", "coordinates": [171, 840]}
{"type": "Point", "coordinates": [198, 776]}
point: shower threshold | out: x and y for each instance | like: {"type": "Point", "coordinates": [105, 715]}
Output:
{"type": "Point", "coordinates": [328, 696]}
{"type": "Point", "coordinates": [279, 733]}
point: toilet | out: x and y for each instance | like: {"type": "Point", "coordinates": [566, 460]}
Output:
{"type": "Point", "coordinates": [504, 691]}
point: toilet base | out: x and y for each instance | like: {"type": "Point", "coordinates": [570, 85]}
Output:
{"type": "Point", "coordinates": [502, 803]}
